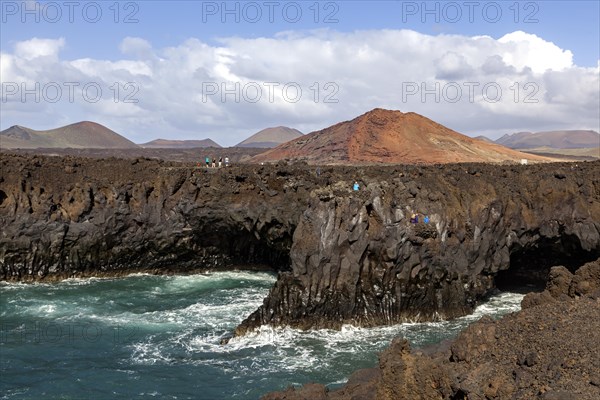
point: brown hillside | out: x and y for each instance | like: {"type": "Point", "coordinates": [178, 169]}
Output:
{"type": "Point", "coordinates": [271, 137]}
{"type": "Point", "coordinates": [385, 136]}
{"type": "Point", "coordinates": [79, 135]}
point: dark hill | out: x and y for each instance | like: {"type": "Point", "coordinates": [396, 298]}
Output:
{"type": "Point", "coordinates": [79, 135]}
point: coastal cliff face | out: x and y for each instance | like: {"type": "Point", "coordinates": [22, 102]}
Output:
{"type": "Point", "coordinates": [73, 217]}
{"type": "Point", "coordinates": [524, 355]}
{"type": "Point", "coordinates": [344, 256]}
{"type": "Point", "coordinates": [357, 259]}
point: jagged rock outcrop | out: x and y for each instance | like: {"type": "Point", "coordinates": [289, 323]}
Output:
{"type": "Point", "coordinates": [345, 256]}
{"type": "Point", "coordinates": [66, 217]}
{"type": "Point", "coordinates": [549, 350]}
{"type": "Point", "coordinates": [356, 258]}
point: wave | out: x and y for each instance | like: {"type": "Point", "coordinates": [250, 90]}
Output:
{"type": "Point", "coordinates": [250, 276]}
{"type": "Point", "coordinates": [181, 320]}
{"type": "Point", "coordinates": [171, 300]}
{"type": "Point", "coordinates": [273, 350]}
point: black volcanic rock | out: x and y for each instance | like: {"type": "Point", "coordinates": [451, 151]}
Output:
{"type": "Point", "coordinates": [549, 350]}
{"type": "Point", "coordinates": [65, 217]}
{"type": "Point", "coordinates": [357, 259]}
{"type": "Point", "coordinates": [344, 256]}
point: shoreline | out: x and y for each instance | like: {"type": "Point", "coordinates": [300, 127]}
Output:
{"type": "Point", "coordinates": [343, 256]}
{"type": "Point", "coordinates": [149, 272]}
{"type": "Point", "coordinates": [546, 350]}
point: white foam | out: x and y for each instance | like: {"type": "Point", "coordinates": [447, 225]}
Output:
{"type": "Point", "coordinates": [14, 285]}
{"type": "Point", "coordinates": [149, 353]}
{"type": "Point", "coordinates": [182, 319]}
{"type": "Point", "coordinates": [81, 281]}
{"type": "Point", "coordinates": [504, 303]}
{"type": "Point", "coordinates": [46, 309]}
{"type": "Point", "coordinates": [298, 347]}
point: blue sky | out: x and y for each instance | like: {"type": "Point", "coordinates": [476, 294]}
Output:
{"type": "Point", "coordinates": [362, 54]}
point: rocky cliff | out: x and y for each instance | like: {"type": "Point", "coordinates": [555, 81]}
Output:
{"type": "Point", "coordinates": [344, 256]}
{"type": "Point", "coordinates": [66, 217]}
{"type": "Point", "coordinates": [549, 350]}
{"type": "Point", "coordinates": [357, 259]}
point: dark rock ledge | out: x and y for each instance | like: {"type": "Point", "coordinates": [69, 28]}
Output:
{"type": "Point", "coordinates": [342, 256]}
{"type": "Point", "coordinates": [548, 350]}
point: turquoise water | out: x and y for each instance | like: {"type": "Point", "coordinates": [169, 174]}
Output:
{"type": "Point", "coordinates": [158, 337]}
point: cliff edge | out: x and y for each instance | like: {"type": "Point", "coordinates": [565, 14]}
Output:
{"type": "Point", "coordinates": [549, 350]}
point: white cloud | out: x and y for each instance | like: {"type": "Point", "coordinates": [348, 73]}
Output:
{"type": "Point", "coordinates": [230, 90]}
{"type": "Point", "coordinates": [35, 47]}
{"type": "Point", "coordinates": [526, 50]}
{"type": "Point", "coordinates": [136, 47]}
{"type": "Point", "coordinates": [452, 66]}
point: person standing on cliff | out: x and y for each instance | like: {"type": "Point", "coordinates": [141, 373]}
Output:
{"type": "Point", "coordinates": [227, 161]}
{"type": "Point", "coordinates": [214, 163]}
{"type": "Point", "coordinates": [207, 159]}
{"type": "Point", "coordinates": [356, 186]}
{"type": "Point", "coordinates": [220, 162]}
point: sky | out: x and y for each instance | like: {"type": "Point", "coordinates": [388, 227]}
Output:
{"type": "Point", "coordinates": [227, 69]}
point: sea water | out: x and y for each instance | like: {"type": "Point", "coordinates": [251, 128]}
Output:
{"type": "Point", "coordinates": [159, 337]}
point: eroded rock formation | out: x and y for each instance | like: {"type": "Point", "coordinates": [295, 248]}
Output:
{"type": "Point", "coordinates": [344, 256]}
{"type": "Point", "coordinates": [549, 350]}
{"type": "Point", "coordinates": [357, 259]}
{"type": "Point", "coordinates": [67, 217]}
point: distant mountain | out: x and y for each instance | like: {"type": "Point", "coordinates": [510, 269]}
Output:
{"type": "Point", "coordinates": [551, 139]}
{"type": "Point", "coordinates": [271, 137]}
{"type": "Point", "coordinates": [179, 144]}
{"type": "Point", "coordinates": [88, 135]}
{"type": "Point", "coordinates": [385, 136]}
{"type": "Point", "coordinates": [582, 154]}
{"type": "Point", "coordinates": [484, 138]}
